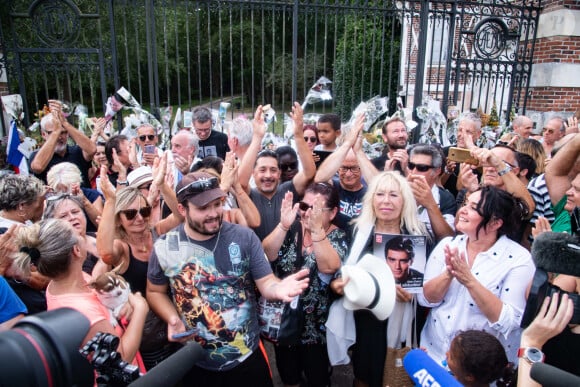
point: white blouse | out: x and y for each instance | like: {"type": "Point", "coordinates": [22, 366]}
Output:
{"type": "Point", "coordinates": [506, 269]}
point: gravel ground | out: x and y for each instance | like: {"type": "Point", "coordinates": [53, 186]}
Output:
{"type": "Point", "coordinates": [341, 375]}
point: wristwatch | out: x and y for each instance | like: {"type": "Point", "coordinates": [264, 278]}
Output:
{"type": "Point", "coordinates": [531, 354]}
{"type": "Point", "coordinates": [119, 182]}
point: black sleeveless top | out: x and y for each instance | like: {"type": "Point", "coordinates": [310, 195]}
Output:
{"type": "Point", "coordinates": [136, 274]}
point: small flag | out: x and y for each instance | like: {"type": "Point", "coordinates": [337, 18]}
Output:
{"type": "Point", "coordinates": [15, 157]}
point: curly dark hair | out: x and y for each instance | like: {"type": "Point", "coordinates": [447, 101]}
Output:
{"type": "Point", "coordinates": [496, 203]}
{"type": "Point", "coordinates": [482, 356]}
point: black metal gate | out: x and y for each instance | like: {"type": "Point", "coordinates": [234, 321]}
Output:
{"type": "Point", "coordinates": [471, 54]}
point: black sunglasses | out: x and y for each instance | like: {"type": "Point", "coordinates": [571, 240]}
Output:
{"type": "Point", "coordinates": [305, 207]}
{"type": "Point", "coordinates": [420, 167]}
{"type": "Point", "coordinates": [132, 213]}
{"type": "Point", "coordinates": [199, 186]}
{"type": "Point", "coordinates": [312, 139]}
{"type": "Point", "coordinates": [149, 137]}
{"type": "Point", "coordinates": [289, 166]}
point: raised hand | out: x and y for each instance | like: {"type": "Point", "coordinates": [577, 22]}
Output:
{"type": "Point", "coordinates": [106, 186]}
{"type": "Point", "coordinates": [258, 123]}
{"type": "Point", "coordinates": [287, 211]}
{"type": "Point", "coordinates": [297, 116]}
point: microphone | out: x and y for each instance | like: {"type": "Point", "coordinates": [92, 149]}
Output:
{"type": "Point", "coordinates": [425, 372]}
{"type": "Point", "coordinates": [171, 370]}
{"type": "Point", "coordinates": [550, 376]}
{"type": "Point", "coordinates": [557, 252]}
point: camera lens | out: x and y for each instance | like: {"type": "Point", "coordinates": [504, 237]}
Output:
{"type": "Point", "coordinates": [44, 351]}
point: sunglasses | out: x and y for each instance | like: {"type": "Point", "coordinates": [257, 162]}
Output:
{"type": "Point", "coordinates": [311, 139]}
{"type": "Point", "coordinates": [305, 207]}
{"type": "Point", "coordinates": [145, 212]}
{"type": "Point", "coordinates": [199, 186]}
{"type": "Point", "coordinates": [419, 167]}
{"type": "Point", "coordinates": [289, 167]}
{"type": "Point", "coordinates": [149, 137]}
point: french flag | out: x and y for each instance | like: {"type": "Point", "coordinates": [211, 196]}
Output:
{"type": "Point", "coordinates": [15, 157]}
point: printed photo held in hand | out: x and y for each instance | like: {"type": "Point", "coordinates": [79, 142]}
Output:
{"type": "Point", "coordinates": [406, 255]}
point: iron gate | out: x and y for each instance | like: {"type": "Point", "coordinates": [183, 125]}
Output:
{"type": "Point", "coordinates": [470, 53]}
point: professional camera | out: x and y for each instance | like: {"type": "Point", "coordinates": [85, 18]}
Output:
{"type": "Point", "coordinates": [553, 252]}
{"type": "Point", "coordinates": [43, 350]}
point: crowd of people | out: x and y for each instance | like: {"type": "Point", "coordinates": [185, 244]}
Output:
{"type": "Point", "coordinates": [210, 229]}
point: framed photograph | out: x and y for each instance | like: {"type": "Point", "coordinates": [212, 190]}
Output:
{"type": "Point", "coordinates": [406, 255]}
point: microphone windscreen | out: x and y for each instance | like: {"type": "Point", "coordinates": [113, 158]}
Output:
{"type": "Point", "coordinates": [171, 370]}
{"type": "Point", "coordinates": [425, 372]}
{"type": "Point", "coordinates": [557, 252]}
{"type": "Point", "coordinates": [550, 376]}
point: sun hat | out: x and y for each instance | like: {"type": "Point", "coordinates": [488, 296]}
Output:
{"type": "Point", "coordinates": [140, 176]}
{"type": "Point", "coordinates": [370, 286]}
{"type": "Point", "coordinates": [199, 188]}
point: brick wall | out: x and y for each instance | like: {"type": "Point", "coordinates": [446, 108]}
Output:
{"type": "Point", "coordinates": [557, 49]}
{"type": "Point", "coordinates": [559, 99]}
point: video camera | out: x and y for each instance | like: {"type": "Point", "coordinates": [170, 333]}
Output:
{"type": "Point", "coordinates": [43, 350]}
{"type": "Point", "coordinates": [553, 252]}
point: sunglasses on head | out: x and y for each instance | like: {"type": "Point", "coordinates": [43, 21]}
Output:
{"type": "Point", "coordinates": [149, 137]}
{"type": "Point", "coordinates": [52, 196]}
{"type": "Point", "coordinates": [199, 186]}
{"type": "Point", "coordinates": [130, 214]}
{"type": "Point", "coordinates": [419, 167]}
{"type": "Point", "coordinates": [311, 139]}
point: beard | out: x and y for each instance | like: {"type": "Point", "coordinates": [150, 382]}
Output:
{"type": "Point", "coordinates": [203, 227]}
{"type": "Point", "coordinates": [396, 145]}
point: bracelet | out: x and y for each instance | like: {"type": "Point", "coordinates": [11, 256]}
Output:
{"type": "Point", "coordinates": [119, 182]}
{"type": "Point", "coordinates": [320, 240]}
{"type": "Point", "coordinates": [282, 227]}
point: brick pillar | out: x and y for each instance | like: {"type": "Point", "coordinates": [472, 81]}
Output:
{"type": "Point", "coordinates": [555, 83]}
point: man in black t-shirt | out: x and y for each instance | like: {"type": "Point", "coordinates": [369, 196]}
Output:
{"type": "Point", "coordinates": [211, 142]}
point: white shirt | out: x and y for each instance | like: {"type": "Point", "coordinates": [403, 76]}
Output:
{"type": "Point", "coordinates": [506, 269]}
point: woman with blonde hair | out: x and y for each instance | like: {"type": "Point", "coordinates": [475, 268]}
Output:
{"type": "Point", "coordinates": [389, 206]}
{"type": "Point", "coordinates": [66, 178]}
{"type": "Point", "coordinates": [58, 252]}
{"type": "Point", "coordinates": [534, 149]}
{"type": "Point", "coordinates": [125, 241]}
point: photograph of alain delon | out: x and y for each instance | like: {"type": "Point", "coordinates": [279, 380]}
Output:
{"type": "Point", "coordinates": [406, 255]}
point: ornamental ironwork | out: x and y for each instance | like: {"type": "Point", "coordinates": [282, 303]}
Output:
{"type": "Point", "coordinates": [56, 22]}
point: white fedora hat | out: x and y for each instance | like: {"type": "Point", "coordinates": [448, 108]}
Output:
{"type": "Point", "coordinates": [370, 285]}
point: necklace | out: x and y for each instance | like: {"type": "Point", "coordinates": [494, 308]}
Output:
{"type": "Point", "coordinates": [142, 239]}
{"type": "Point", "coordinates": [217, 241]}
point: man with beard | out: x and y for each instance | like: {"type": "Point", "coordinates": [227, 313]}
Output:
{"type": "Point", "coordinates": [395, 157]}
{"type": "Point", "coordinates": [269, 192]}
{"type": "Point", "coordinates": [216, 255]}
{"type": "Point", "coordinates": [55, 130]}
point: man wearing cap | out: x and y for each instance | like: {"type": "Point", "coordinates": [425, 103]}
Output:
{"type": "Point", "coordinates": [201, 256]}
{"type": "Point", "coordinates": [55, 130]}
{"type": "Point", "coordinates": [211, 142]}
